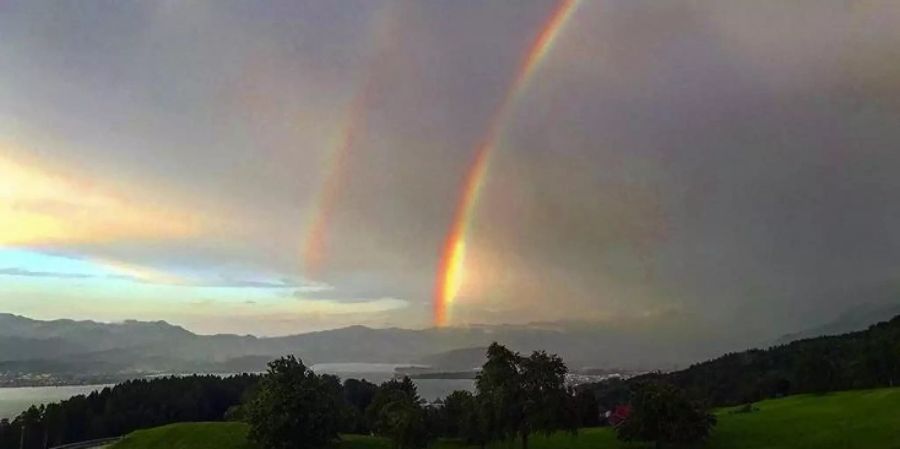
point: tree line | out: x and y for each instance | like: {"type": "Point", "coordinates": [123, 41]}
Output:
{"type": "Point", "coordinates": [129, 406]}
{"type": "Point", "coordinates": [515, 397]}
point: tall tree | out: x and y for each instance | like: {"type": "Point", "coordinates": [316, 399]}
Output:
{"type": "Point", "coordinates": [294, 408]}
{"type": "Point", "coordinates": [499, 392]}
{"type": "Point", "coordinates": [546, 404]}
{"type": "Point", "coordinates": [521, 395]}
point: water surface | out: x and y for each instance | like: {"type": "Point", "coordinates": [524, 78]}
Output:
{"type": "Point", "coordinates": [16, 400]}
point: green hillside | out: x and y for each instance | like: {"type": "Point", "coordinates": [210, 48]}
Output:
{"type": "Point", "coordinates": [218, 435]}
{"type": "Point", "coordinates": [845, 420]}
{"type": "Point", "coordinates": [212, 435]}
{"type": "Point", "coordinates": [850, 419]}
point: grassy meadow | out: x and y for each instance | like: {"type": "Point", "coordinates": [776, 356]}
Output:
{"type": "Point", "coordinates": [843, 420]}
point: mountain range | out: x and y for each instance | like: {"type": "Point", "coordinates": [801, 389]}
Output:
{"type": "Point", "coordinates": [88, 347]}
{"type": "Point", "coordinates": [131, 347]}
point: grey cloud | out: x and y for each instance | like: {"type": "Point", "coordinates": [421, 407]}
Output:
{"type": "Point", "coordinates": [677, 156]}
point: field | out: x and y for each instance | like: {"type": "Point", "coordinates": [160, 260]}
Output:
{"type": "Point", "coordinates": [189, 436]}
{"type": "Point", "coordinates": [844, 420]}
{"type": "Point", "coordinates": [857, 419]}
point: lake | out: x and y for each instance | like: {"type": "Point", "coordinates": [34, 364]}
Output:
{"type": "Point", "coordinates": [429, 389]}
{"type": "Point", "coordinates": [15, 400]}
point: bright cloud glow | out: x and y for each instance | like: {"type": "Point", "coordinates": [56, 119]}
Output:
{"type": "Point", "coordinates": [39, 207]}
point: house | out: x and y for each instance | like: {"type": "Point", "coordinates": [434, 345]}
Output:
{"type": "Point", "coordinates": [618, 414]}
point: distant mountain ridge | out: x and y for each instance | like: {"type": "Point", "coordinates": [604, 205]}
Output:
{"type": "Point", "coordinates": [159, 347]}
{"type": "Point", "coordinates": [133, 348]}
{"type": "Point", "coordinates": [854, 319]}
{"type": "Point", "coordinates": [457, 359]}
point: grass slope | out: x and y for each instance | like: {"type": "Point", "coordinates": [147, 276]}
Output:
{"type": "Point", "coordinates": [218, 435]}
{"type": "Point", "coordinates": [211, 435]}
{"type": "Point", "coordinates": [844, 420]}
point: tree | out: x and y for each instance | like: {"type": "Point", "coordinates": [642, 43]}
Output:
{"type": "Point", "coordinates": [397, 412]}
{"type": "Point", "coordinates": [385, 394]}
{"type": "Point", "coordinates": [817, 372]}
{"type": "Point", "coordinates": [455, 407]}
{"type": "Point", "coordinates": [521, 395]}
{"type": "Point", "coordinates": [587, 408]}
{"type": "Point", "coordinates": [473, 423]}
{"type": "Point", "coordinates": [358, 395]}
{"type": "Point", "coordinates": [880, 360]}
{"type": "Point", "coordinates": [499, 393]}
{"type": "Point", "coordinates": [54, 424]}
{"type": "Point", "coordinates": [402, 420]}
{"type": "Point", "coordinates": [294, 408]}
{"type": "Point", "coordinates": [30, 434]}
{"type": "Point", "coordinates": [8, 434]}
{"type": "Point", "coordinates": [7, 437]}
{"type": "Point", "coordinates": [663, 414]}
{"type": "Point", "coordinates": [545, 400]}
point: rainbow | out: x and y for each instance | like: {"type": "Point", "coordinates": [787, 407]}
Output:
{"type": "Point", "coordinates": [315, 243]}
{"type": "Point", "coordinates": [452, 262]}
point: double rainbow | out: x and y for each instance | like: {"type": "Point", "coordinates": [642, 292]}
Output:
{"type": "Point", "coordinates": [452, 263]}
{"type": "Point", "coordinates": [315, 243]}
{"type": "Point", "coordinates": [325, 202]}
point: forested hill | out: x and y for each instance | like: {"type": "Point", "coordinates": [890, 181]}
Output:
{"type": "Point", "coordinates": [864, 359]}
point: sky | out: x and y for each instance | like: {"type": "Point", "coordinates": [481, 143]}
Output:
{"type": "Point", "coordinates": [286, 166]}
